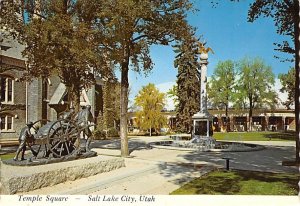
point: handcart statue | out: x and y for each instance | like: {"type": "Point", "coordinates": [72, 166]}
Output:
{"type": "Point", "coordinates": [59, 138]}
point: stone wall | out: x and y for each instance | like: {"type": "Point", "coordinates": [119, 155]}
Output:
{"type": "Point", "coordinates": [17, 179]}
{"type": "Point", "coordinates": [34, 100]}
{"type": "Point", "coordinates": [18, 108]}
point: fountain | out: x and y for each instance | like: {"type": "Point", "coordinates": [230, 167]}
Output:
{"type": "Point", "coordinates": [202, 131]}
{"type": "Point", "coordinates": [206, 146]}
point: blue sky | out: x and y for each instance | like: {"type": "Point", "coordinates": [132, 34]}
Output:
{"type": "Point", "coordinates": [227, 32]}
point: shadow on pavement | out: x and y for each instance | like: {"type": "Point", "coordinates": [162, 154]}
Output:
{"type": "Point", "coordinates": [189, 164]}
{"type": "Point", "coordinates": [116, 145]}
{"type": "Point", "coordinates": [268, 160]}
{"type": "Point", "coordinates": [199, 163]}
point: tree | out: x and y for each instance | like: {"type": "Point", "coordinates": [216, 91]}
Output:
{"type": "Point", "coordinates": [151, 102]}
{"type": "Point", "coordinates": [256, 81]}
{"type": "Point", "coordinates": [111, 103]}
{"type": "Point", "coordinates": [61, 39]}
{"type": "Point", "coordinates": [79, 35]}
{"type": "Point", "coordinates": [285, 14]}
{"type": "Point", "coordinates": [221, 86]}
{"type": "Point", "coordinates": [188, 83]}
{"type": "Point", "coordinates": [286, 17]}
{"type": "Point", "coordinates": [134, 25]}
{"type": "Point", "coordinates": [288, 85]}
{"type": "Point", "coordinates": [173, 93]}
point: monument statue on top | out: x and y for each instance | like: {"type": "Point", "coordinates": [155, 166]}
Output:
{"type": "Point", "coordinates": [202, 121]}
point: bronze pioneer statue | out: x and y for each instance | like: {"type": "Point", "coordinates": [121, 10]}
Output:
{"type": "Point", "coordinates": [59, 138]}
{"type": "Point", "coordinates": [68, 115]}
{"type": "Point", "coordinates": [25, 137]}
{"type": "Point", "coordinates": [84, 119]}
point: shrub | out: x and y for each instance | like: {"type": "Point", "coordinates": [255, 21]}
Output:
{"type": "Point", "coordinates": [113, 132]}
{"type": "Point", "coordinates": [100, 134]}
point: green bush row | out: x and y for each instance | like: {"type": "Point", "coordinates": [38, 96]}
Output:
{"type": "Point", "coordinates": [106, 134]}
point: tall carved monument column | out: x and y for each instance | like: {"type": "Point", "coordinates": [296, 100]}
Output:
{"type": "Point", "coordinates": [203, 82]}
{"type": "Point", "coordinates": [202, 121]}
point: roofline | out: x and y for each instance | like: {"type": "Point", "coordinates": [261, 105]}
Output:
{"type": "Point", "coordinates": [6, 60]}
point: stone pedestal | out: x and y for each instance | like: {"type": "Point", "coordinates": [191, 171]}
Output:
{"type": "Point", "coordinates": [202, 129]}
{"type": "Point", "coordinates": [18, 179]}
{"type": "Point", "coordinates": [202, 124]}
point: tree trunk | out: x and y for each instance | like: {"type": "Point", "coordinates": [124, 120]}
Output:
{"type": "Point", "coordinates": [227, 118]}
{"type": "Point", "coordinates": [124, 108]}
{"type": "Point", "coordinates": [74, 97]}
{"type": "Point", "coordinates": [297, 55]}
{"type": "Point", "coordinates": [250, 118]}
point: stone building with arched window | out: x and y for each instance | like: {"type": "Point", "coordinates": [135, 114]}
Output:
{"type": "Point", "coordinates": [21, 101]}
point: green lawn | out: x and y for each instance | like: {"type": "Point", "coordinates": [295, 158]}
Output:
{"type": "Point", "coordinates": [7, 156]}
{"type": "Point", "coordinates": [255, 136]}
{"type": "Point", "coordinates": [241, 183]}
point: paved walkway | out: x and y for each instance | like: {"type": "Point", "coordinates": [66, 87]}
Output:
{"type": "Point", "coordinates": [158, 171]}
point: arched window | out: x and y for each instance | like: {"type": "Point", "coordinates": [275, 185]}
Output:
{"type": "Point", "coordinates": [6, 89]}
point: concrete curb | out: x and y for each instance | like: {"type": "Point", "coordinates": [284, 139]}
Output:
{"type": "Point", "coordinates": [111, 181]}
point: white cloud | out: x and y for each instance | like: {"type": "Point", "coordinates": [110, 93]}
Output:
{"type": "Point", "coordinates": [282, 96]}
{"type": "Point", "coordinates": [165, 87]}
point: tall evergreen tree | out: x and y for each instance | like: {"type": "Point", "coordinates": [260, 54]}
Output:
{"type": "Point", "coordinates": [188, 84]}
